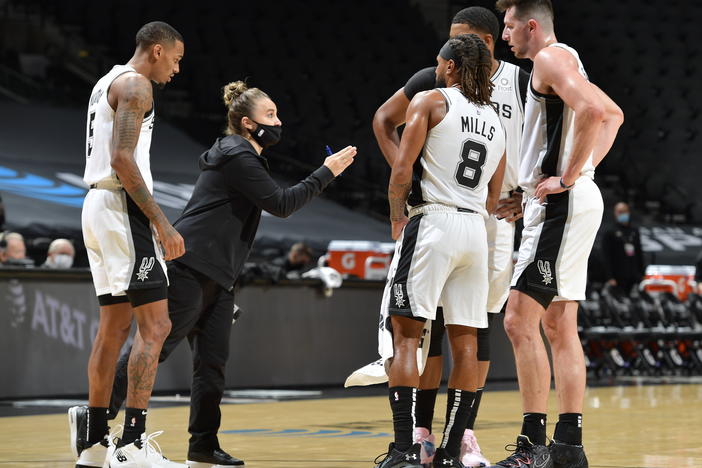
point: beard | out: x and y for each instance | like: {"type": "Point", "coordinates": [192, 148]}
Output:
{"type": "Point", "coordinates": [440, 82]}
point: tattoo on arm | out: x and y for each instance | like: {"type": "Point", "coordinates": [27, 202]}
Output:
{"type": "Point", "coordinates": [134, 100]}
{"type": "Point", "coordinates": [397, 197]}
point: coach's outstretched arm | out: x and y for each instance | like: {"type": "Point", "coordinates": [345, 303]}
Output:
{"type": "Point", "coordinates": [134, 99]}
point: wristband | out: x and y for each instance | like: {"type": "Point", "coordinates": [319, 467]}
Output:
{"type": "Point", "coordinates": [566, 187]}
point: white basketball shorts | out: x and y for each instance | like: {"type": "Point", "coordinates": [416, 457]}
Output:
{"type": "Point", "coordinates": [556, 243]}
{"type": "Point", "coordinates": [441, 258]}
{"type": "Point", "coordinates": [122, 250]}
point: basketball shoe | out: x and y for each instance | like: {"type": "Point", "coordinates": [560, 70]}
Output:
{"type": "Point", "coordinates": [567, 456]}
{"type": "Point", "coordinates": [396, 459]}
{"type": "Point", "coordinates": [428, 443]}
{"type": "Point", "coordinates": [142, 453]}
{"type": "Point", "coordinates": [471, 456]}
{"type": "Point", "coordinates": [443, 460]}
{"type": "Point", "coordinates": [526, 455]}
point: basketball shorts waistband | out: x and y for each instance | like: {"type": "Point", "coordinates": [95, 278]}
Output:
{"type": "Point", "coordinates": [438, 208]}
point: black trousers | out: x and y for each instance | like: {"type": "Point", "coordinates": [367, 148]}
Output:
{"type": "Point", "coordinates": [202, 311]}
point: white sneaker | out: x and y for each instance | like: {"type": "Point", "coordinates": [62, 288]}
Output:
{"type": "Point", "coordinates": [93, 456]}
{"type": "Point", "coordinates": [471, 455]}
{"type": "Point", "coordinates": [142, 453]}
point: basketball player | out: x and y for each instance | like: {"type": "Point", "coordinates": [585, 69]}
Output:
{"type": "Point", "coordinates": [569, 126]}
{"type": "Point", "coordinates": [507, 97]}
{"type": "Point", "coordinates": [124, 232]}
{"type": "Point", "coordinates": [219, 224]}
{"type": "Point", "coordinates": [441, 254]}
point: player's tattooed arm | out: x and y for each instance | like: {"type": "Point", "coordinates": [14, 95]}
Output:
{"type": "Point", "coordinates": [397, 197]}
{"type": "Point", "coordinates": [134, 98]}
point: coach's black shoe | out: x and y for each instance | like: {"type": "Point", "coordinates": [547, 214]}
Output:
{"type": "Point", "coordinates": [214, 459]}
{"type": "Point", "coordinates": [567, 456]}
{"type": "Point", "coordinates": [396, 459]}
{"type": "Point", "coordinates": [526, 455]}
{"type": "Point", "coordinates": [444, 460]}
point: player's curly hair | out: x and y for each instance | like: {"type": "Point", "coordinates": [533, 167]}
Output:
{"type": "Point", "coordinates": [240, 101]}
{"type": "Point", "coordinates": [475, 68]}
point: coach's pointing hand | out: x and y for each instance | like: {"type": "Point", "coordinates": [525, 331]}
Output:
{"type": "Point", "coordinates": [170, 239]}
{"type": "Point", "coordinates": [338, 162]}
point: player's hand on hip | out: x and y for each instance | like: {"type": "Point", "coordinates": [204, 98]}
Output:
{"type": "Point", "coordinates": [510, 208]}
{"type": "Point", "coordinates": [171, 241]}
{"type": "Point", "coordinates": [338, 162]}
{"type": "Point", "coordinates": [398, 226]}
{"type": "Point", "coordinates": [548, 186]}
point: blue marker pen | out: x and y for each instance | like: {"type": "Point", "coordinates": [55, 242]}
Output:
{"type": "Point", "coordinates": [328, 150]}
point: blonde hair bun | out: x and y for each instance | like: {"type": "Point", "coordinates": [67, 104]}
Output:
{"type": "Point", "coordinates": [232, 91]}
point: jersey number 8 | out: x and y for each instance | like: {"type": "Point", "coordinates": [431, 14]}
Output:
{"type": "Point", "coordinates": [473, 154]}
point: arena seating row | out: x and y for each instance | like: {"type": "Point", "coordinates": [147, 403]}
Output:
{"type": "Point", "coordinates": [329, 67]}
{"type": "Point", "coordinates": [642, 334]}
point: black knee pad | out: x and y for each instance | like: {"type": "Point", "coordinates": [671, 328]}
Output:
{"type": "Point", "coordinates": [484, 340]}
{"type": "Point", "coordinates": [437, 334]}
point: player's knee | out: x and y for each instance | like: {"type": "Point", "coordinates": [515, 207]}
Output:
{"type": "Point", "coordinates": [516, 327]}
{"type": "Point", "coordinates": [551, 329]}
{"type": "Point", "coordinates": [156, 330]}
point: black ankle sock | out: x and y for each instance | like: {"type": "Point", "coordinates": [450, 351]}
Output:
{"type": "Point", "coordinates": [424, 410]}
{"type": "Point", "coordinates": [134, 424]}
{"type": "Point", "coordinates": [458, 410]}
{"type": "Point", "coordinates": [569, 429]}
{"type": "Point", "coordinates": [97, 424]}
{"type": "Point", "coordinates": [474, 411]}
{"type": "Point", "coordinates": [402, 402]}
{"type": "Point", "coordinates": [534, 427]}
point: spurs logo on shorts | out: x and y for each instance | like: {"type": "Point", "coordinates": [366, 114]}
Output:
{"type": "Point", "coordinates": [545, 270]}
{"type": "Point", "coordinates": [146, 265]}
{"type": "Point", "coordinates": [399, 295]}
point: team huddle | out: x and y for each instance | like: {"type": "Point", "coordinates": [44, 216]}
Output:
{"type": "Point", "coordinates": [484, 145]}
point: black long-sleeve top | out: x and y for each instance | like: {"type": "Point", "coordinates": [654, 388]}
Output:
{"type": "Point", "coordinates": [219, 222]}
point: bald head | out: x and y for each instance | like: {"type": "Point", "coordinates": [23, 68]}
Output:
{"type": "Point", "coordinates": [15, 246]}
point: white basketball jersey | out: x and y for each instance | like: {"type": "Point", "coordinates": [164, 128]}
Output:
{"type": "Point", "coordinates": [99, 134]}
{"type": "Point", "coordinates": [460, 155]}
{"type": "Point", "coordinates": [547, 141]}
{"type": "Point", "coordinates": [507, 101]}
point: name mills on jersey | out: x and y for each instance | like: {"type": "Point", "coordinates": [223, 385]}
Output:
{"type": "Point", "coordinates": [474, 125]}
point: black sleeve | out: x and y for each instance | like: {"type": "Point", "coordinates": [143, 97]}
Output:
{"type": "Point", "coordinates": [523, 85]}
{"type": "Point", "coordinates": [423, 80]}
{"type": "Point", "coordinates": [248, 176]}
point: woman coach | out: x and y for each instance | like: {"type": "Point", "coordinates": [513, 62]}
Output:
{"type": "Point", "coordinates": [219, 224]}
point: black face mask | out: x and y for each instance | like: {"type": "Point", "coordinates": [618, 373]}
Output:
{"type": "Point", "coordinates": [266, 135]}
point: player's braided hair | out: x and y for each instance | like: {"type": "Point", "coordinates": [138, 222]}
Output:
{"type": "Point", "coordinates": [476, 65]}
{"type": "Point", "coordinates": [241, 102]}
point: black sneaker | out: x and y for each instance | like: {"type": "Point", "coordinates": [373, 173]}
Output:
{"type": "Point", "coordinates": [396, 459]}
{"type": "Point", "coordinates": [443, 460]}
{"type": "Point", "coordinates": [567, 456]}
{"type": "Point", "coordinates": [526, 455]}
{"type": "Point", "coordinates": [217, 457]}
{"type": "Point", "coordinates": [78, 428]}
